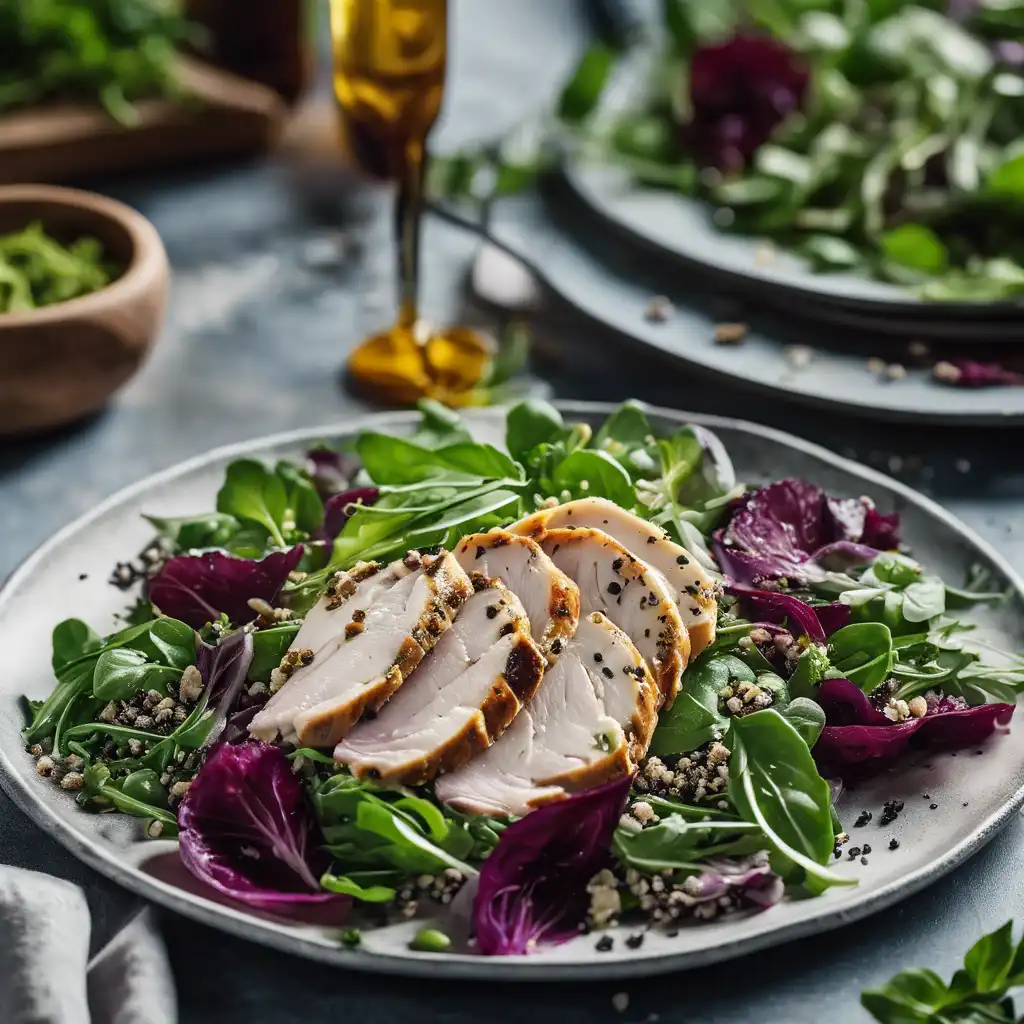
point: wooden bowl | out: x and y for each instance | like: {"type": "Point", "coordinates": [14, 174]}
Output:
{"type": "Point", "coordinates": [62, 362]}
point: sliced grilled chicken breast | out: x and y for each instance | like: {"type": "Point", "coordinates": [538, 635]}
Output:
{"type": "Point", "coordinates": [590, 721]}
{"type": "Point", "coordinates": [375, 651]}
{"type": "Point", "coordinates": [631, 593]}
{"type": "Point", "coordinates": [346, 593]}
{"type": "Point", "coordinates": [551, 599]}
{"type": "Point", "coordinates": [696, 591]}
{"type": "Point", "coordinates": [460, 699]}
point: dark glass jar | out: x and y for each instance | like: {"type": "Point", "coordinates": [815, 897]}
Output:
{"type": "Point", "coordinates": [266, 41]}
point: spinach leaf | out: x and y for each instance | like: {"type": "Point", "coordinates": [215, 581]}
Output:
{"type": "Point", "coordinates": [253, 494]}
{"type": "Point", "coordinates": [439, 426]}
{"type": "Point", "coordinates": [174, 643]}
{"type": "Point", "coordinates": [863, 653]}
{"type": "Point", "coordinates": [123, 672]}
{"type": "Point", "coordinates": [187, 533]}
{"type": "Point", "coordinates": [895, 590]}
{"type": "Point", "coordinates": [529, 424]}
{"type": "Point", "coordinates": [807, 717]}
{"type": "Point", "coordinates": [625, 429]}
{"type": "Point", "coordinates": [269, 647]}
{"type": "Point", "coordinates": [589, 473]}
{"type": "Point", "coordinates": [775, 785]}
{"type": "Point", "coordinates": [482, 460]}
{"type": "Point", "coordinates": [302, 498]}
{"type": "Point", "coordinates": [72, 639]}
{"type": "Point", "coordinates": [694, 717]}
{"type": "Point", "coordinates": [917, 247]}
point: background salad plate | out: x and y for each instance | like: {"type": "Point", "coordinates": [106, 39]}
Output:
{"type": "Point", "coordinates": [969, 798]}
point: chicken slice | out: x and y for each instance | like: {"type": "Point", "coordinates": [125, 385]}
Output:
{"type": "Point", "coordinates": [374, 651]}
{"type": "Point", "coordinates": [460, 699]}
{"type": "Point", "coordinates": [590, 721]}
{"type": "Point", "coordinates": [356, 589]}
{"type": "Point", "coordinates": [696, 591]}
{"type": "Point", "coordinates": [633, 595]}
{"type": "Point", "coordinates": [551, 599]}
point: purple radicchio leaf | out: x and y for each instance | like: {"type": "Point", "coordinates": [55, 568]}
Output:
{"type": "Point", "coordinates": [338, 510]}
{"type": "Point", "coordinates": [750, 879]}
{"type": "Point", "coordinates": [246, 830]}
{"type": "Point", "coordinates": [793, 530]}
{"type": "Point", "coordinates": [223, 667]}
{"type": "Point", "coordinates": [329, 470]}
{"type": "Point", "coordinates": [858, 740]}
{"type": "Point", "coordinates": [799, 616]}
{"type": "Point", "coordinates": [197, 588]}
{"type": "Point", "coordinates": [740, 91]}
{"type": "Point", "coordinates": [533, 887]}
{"type": "Point", "coordinates": [971, 373]}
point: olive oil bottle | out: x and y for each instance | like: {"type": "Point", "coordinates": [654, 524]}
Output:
{"type": "Point", "coordinates": [390, 60]}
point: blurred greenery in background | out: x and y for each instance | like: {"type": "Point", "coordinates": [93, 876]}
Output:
{"type": "Point", "coordinates": [112, 52]}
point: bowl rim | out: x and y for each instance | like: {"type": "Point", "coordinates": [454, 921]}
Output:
{"type": "Point", "coordinates": [147, 263]}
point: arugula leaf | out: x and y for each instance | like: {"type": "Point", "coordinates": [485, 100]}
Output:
{"type": "Point", "coordinates": [367, 827]}
{"type": "Point", "coordinates": [255, 495]}
{"type": "Point", "coordinates": [775, 785]}
{"type": "Point", "coordinates": [675, 844]}
{"type": "Point", "coordinates": [348, 887]}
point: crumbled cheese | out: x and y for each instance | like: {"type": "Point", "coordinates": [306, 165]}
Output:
{"type": "Point", "coordinates": [643, 812]}
{"type": "Point", "coordinates": [897, 710]}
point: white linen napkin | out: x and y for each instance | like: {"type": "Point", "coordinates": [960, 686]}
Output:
{"type": "Point", "coordinates": [46, 976]}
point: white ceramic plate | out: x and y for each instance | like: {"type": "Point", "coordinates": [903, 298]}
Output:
{"type": "Point", "coordinates": [975, 795]}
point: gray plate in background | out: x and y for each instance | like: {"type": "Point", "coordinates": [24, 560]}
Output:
{"type": "Point", "coordinates": [610, 283]}
{"type": "Point", "coordinates": [975, 797]}
{"type": "Point", "coordinates": [681, 229]}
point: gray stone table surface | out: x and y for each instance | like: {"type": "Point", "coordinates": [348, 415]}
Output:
{"type": "Point", "coordinates": [257, 330]}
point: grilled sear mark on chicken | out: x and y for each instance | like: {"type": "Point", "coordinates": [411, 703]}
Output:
{"type": "Point", "coordinates": [551, 599]}
{"type": "Point", "coordinates": [459, 701]}
{"type": "Point", "coordinates": [696, 591]}
{"type": "Point", "coordinates": [321, 702]}
{"type": "Point", "coordinates": [590, 721]}
{"type": "Point", "coordinates": [631, 593]}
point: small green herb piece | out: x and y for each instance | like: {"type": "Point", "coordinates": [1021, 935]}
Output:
{"type": "Point", "coordinates": [37, 270]}
{"type": "Point", "coordinates": [979, 992]}
{"type": "Point", "coordinates": [582, 92]}
{"type": "Point", "coordinates": [351, 938]}
{"type": "Point", "coordinates": [430, 940]}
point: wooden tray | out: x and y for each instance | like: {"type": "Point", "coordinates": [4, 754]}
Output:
{"type": "Point", "coordinates": [226, 116]}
